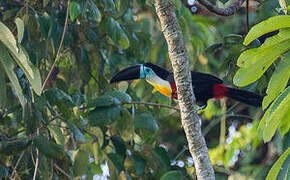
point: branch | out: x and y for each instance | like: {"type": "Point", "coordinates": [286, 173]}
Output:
{"type": "Point", "coordinates": [153, 104]}
{"type": "Point", "coordinates": [222, 11]}
{"type": "Point", "coordinates": [179, 60]}
{"type": "Point", "coordinates": [60, 45]}
{"type": "Point", "coordinates": [62, 171]}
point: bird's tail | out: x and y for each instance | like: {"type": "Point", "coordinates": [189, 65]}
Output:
{"type": "Point", "coordinates": [246, 97]}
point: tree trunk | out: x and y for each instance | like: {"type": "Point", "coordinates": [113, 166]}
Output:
{"type": "Point", "coordinates": [179, 60]}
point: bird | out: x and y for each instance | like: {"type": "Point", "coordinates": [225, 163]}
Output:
{"type": "Point", "coordinates": [205, 86]}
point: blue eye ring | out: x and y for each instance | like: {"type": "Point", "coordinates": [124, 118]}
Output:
{"type": "Point", "coordinates": [142, 72]}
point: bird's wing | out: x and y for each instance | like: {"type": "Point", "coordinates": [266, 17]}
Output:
{"type": "Point", "coordinates": [202, 78]}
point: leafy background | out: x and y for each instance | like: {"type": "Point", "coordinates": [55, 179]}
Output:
{"type": "Point", "coordinates": [80, 126]}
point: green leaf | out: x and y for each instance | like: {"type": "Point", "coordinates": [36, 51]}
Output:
{"type": "Point", "coordinates": [3, 95]}
{"type": "Point", "coordinates": [120, 145]}
{"type": "Point", "coordinates": [7, 38]}
{"type": "Point", "coordinates": [21, 58]}
{"type": "Point", "coordinates": [31, 117]}
{"type": "Point", "coordinates": [102, 116]}
{"type": "Point", "coordinates": [45, 2]}
{"type": "Point", "coordinates": [161, 155]}
{"type": "Point", "coordinates": [49, 148]}
{"type": "Point", "coordinates": [81, 163]}
{"type": "Point", "coordinates": [74, 10]}
{"type": "Point", "coordinates": [278, 81]}
{"type": "Point", "coordinates": [269, 25]}
{"type": "Point", "coordinates": [95, 13]}
{"type": "Point", "coordinates": [20, 29]}
{"type": "Point", "coordinates": [285, 125]}
{"type": "Point", "coordinates": [284, 172]}
{"type": "Point", "coordinates": [13, 147]}
{"type": "Point", "coordinates": [57, 134]}
{"type": "Point", "coordinates": [80, 138]}
{"type": "Point", "coordinates": [103, 101]}
{"type": "Point", "coordinates": [172, 175]}
{"type": "Point", "coordinates": [117, 160]}
{"type": "Point", "coordinates": [117, 34]}
{"type": "Point", "coordinates": [254, 62]}
{"type": "Point", "coordinates": [275, 113]}
{"type": "Point", "coordinates": [4, 171]}
{"type": "Point", "coordinates": [125, 125]}
{"type": "Point", "coordinates": [121, 96]}
{"type": "Point", "coordinates": [140, 164]}
{"type": "Point", "coordinates": [276, 168]}
{"type": "Point", "coordinates": [8, 65]}
{"type": "Point", "coordinates": [147, 122]}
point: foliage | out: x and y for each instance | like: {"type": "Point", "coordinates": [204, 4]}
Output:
{"type": "Point", "coordinates": [80, 125]}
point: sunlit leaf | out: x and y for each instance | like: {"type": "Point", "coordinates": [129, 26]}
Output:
{"type": "Point", "coordinates": [74, 10]}
{"type": "Point", "coordinates": [7, 38]}
{"type": "Point", "coordinates": [276, 168]}
{"type": "Point", "coordinates": [267, 26]}
{"type": "Point", "coordinates": [278, 80]}
{"type": "Point", "coordinates": [57, 134]}
{"type": "Point", "coordinates": [254, 62]}
{"type": "Point", "coordinates": [275, 113]}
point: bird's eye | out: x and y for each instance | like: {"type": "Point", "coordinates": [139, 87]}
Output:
{"type": "Point", "coordinates": [147, 70]}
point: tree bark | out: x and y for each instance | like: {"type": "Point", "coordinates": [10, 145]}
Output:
{"type": "Point", "coordinates": [179, 60]}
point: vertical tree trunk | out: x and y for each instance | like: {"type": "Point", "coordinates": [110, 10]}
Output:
{"type": "Point", "coordinates": [179, 59]}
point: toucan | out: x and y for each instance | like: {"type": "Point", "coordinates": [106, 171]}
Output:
{"type": "Point", "coordinates": [205, 86]}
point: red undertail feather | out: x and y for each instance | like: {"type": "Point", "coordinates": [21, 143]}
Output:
{"type": "Point", "coordinates": [220, 91]}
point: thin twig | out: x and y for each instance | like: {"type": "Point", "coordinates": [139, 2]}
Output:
{"type": "Point", "coordinates": [228, 11]}
{"type": "Point", "coordinates": [60, 45]}
{"type": "Point", "coordinates": [16, 165]}
{"type": "Point", "coordinates": [36, 164]}
{"type": "Point", "coordinates": [51, 175]}
{"type": "Point", "coordinates": [62, 171]}
{"type": "Point", "coordinates": [153, 104]}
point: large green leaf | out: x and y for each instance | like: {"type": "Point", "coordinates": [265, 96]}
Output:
{"type": "Point", "coordinates": [254, 62]}
{"type": "Point", "coordinates": [276, 168]}
{"type": "Point", "coordinates": [278, 81]}
{"type": "Point", "coordinates": [267, 26]}
{"type": "Point", "coordinates": [275, 113]}
{"type": "Point", "coordinates": [21, 58]}
{"type": "Point", "coordinates": [8, 65]}
{"type": "Point", "coordinates": [20, 29]}
{"type": "Point", "coordinates": [102, 116]}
